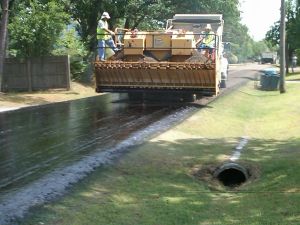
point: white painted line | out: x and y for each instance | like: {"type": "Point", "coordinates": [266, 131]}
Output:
{"type": "Point", "coordinates": [238, 149]}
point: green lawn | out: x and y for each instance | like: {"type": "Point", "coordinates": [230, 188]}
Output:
{"type": "Point", "coordinates": [154, 184]}
{"type": "Point", "coordinates": [293, 76]}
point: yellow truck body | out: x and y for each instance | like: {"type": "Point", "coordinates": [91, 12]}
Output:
{"type": "Point", "coordinates": [165, 61]}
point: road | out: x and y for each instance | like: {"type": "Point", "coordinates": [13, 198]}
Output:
{"type": "Point", "coordinates": [35, 141]}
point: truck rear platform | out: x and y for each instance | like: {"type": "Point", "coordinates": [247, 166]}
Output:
{"type": "Point", "coordinates": [175, 64]}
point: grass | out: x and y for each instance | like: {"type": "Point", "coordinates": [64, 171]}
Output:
{"type": "Point", "coordinates": [154, 183]}
{"type": "Point", "coordinates": [293, 76]}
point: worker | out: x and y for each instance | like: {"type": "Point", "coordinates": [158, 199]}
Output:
{"type": "Point", "coordinates": [104, 36]}
{"type": "Point", "coordinates": [207, 39]}
{"type": "Point", "coordinates": [294, 62]}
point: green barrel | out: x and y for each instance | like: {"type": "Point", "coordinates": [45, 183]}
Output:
{"type": "Point", "coordinates": [269, 79]}
{"type": "Point", "coordinates": [274, 82]}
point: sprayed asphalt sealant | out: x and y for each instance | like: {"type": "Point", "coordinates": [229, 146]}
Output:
{"type": "Point", "coordinates": [14, 205]}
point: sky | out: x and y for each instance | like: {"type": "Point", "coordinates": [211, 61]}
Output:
{"type": "Point", "coordinates": [259, 16]}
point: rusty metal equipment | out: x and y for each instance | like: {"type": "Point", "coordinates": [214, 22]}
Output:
{"type": "Point", "coordinates": [165, 61]}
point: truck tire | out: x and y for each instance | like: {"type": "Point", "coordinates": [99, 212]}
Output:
{"type": "Point", "coordinates": [135, 96]}
{"type": "Point", "coordinates": [189, 97]}
{"type": "Point", "coordinates": [223, 80]}
{"type": "Point", "coordinates": [223, 84]}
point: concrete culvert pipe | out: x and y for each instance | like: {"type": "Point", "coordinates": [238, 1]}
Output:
{"type": "Point", "coordinates": [231, 174]}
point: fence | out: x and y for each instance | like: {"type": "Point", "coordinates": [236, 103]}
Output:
{"type": "Point", "coordinates": [31, 74]}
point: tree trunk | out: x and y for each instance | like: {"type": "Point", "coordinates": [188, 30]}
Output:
{"type": "Point", "coordinates": [288, 54]}
{"type": "Point", "coordinates": [3, 35]}
{"type": "Point", "coordinates": [127, 23]}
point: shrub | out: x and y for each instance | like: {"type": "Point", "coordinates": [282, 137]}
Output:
{"type": "Point", "coordinates": [70, 44]}
{"type": "Point", "coordinates": [233, 59]}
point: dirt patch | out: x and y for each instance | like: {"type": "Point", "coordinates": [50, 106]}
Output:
{"type": "Point", "coordinates": [205, 173]}
{"type": "Point", "coordinates": [14, 100]}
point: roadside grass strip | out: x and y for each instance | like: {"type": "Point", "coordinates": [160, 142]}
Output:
{"type": "Point", "coordinates": [161, 183]}
{"type": "Point", "coordinates": [293, 76]}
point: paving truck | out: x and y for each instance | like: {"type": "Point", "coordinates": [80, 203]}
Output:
{"type": "Point", "coordinates": [165, 62]}
{"type": "Point", "coordinates": [268, 57]}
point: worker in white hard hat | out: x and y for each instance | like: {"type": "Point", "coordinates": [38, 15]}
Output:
{"type": "Point", "coordinates": [294, 62]}
{"type": "Point", "coordinates": [104, 36]}
{"type": "Point", "coordinates": [207, 39]}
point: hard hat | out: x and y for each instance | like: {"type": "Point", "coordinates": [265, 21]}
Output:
{"type": "Point", "coordinates": [105, 15]}
{"type": "Point", "coordinates": [208, 26]}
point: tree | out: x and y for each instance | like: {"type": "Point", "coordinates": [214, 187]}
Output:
{"type": "Point", "coordinates": [124, 13]}
{"type": "Point", "coordinates": [273, 35]}
{"type": "Point", "coordinates": [3, 36]}
{"type": "Point", "coordinates": [70, 44]}
{"type": "Point", "coordinates": [260, 47]}
{"type": "Point", "coordinates": [36, 27]}
{"type": "Point", "coordinates": [86, 13]}
{"type": "Point", "coordinates": [140, 13]}
{"type": "Point", "coordinates": [145, 14]}
{"type": "Point", "coordinates": [30, 37]}
{"type": "Point", "coordinates": [292, 27]}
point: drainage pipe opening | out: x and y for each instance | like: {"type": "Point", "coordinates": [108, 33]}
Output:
{"type": "Point", "coordinates": [231, 174]}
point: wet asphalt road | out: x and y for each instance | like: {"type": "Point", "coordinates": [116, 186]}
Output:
{"type": "Point", "coordinates": [37, 140]}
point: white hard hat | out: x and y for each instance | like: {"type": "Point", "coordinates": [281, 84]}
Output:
{"type": "Point", "coordinates": [208, 26]}
{"type": "Point", "coordinates": [105, 15]}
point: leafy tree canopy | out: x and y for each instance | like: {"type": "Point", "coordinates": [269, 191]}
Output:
{"type": "Point", "coordinates": [36, 24]}
{"type": "Point", "coordinates": [292, 27]}
{"type": "Point", "coordinates": [36, 27]}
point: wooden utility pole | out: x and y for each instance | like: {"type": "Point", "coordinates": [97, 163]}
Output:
{"type": "Point", "coordinates": [3, 36]}
{"type": "Point", "coordinates": [282, 49]}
